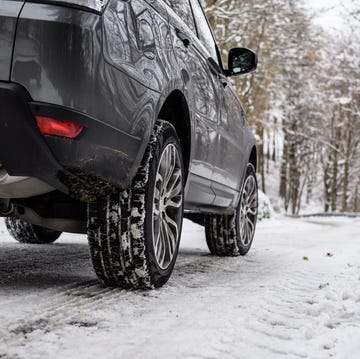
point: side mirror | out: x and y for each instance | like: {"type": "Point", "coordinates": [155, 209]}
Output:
{"type": "Point", "coordinates": [241, 61]}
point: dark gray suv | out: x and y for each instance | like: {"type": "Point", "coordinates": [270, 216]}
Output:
{"type": "Point", "coordinates": [117, 119]}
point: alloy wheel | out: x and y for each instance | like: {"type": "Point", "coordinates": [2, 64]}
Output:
{"type": "Point", "coordinates": [167, 206]}
{"type": "Point", "coordinates": [248, 211]}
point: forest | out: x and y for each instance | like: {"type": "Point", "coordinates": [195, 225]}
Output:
{"type": "Point", "coordinates": [303, 102]}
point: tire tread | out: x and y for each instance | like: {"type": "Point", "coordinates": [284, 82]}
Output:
{"type": "Point", "coordinates": [116, 229]}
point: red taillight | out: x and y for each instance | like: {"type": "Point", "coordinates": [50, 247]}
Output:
{"type": "Point", "coordinates": [50, 126]}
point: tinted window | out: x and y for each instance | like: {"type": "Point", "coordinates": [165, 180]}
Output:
{"type": "Point", "coordinates": [183, 10]}
{"type": "Point", "coordinates": [205, 34]}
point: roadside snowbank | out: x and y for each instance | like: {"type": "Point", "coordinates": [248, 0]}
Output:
{"type": "Point", "coordinates": [265, 210]}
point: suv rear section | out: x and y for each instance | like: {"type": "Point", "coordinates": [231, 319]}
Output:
{"type": "Point", "coordinates": [52, 67]}
{"type": "Point", "coordinates": [81, 144]}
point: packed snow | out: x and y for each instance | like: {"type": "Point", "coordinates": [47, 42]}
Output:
{"type": "Point", "coordinates": [296, 295]}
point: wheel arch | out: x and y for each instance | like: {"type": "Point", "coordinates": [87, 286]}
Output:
{"type": "Point", "coordinates": [175, 110]}
{"type": "Point", "coordinates": [253, 157]}
{"type": "Point", "coordinates": [252, 160]}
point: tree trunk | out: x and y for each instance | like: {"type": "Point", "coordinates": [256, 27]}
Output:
{"type": "Point", "coordinates": [274, 141]}
{"type": "Point", "coordinates": [335, 169]}
{"type": "Point", "coordinates": [283, 176]}
{"type": "Point", "coordinates": [344, 206]}
{"type": "Point", "coordinates": [327, 187]}
{"type": "Point", "coordinates": [334, 182]}
{"type": "Point", "coordinates": [294, 178]}
{"type": "Point", "coordinates": [261, 159]}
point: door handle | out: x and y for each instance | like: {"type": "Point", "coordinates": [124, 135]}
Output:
{"type": "Point", "coordinates": [183, 37]}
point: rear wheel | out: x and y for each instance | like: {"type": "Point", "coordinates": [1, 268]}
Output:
{"type": "Point", "coordinates": [25, 232]}
{"type": "Point", "coordinates": [232, 235]}
{"type": "Point", "coordinates": [134, 236]}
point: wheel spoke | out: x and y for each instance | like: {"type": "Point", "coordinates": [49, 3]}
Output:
{"type": "Point", "coordinates": [161, 173]}
{"type": "Point", "coordinates": [250, 225]}
{"type": "Point", "coordinates": [171, 240]}
{"type": "Point", "coordinates": [247, 236]}
{"type": "Point", "coordinates": [176, 190]}
{"type": "Point", "coordinates": [159, 178]}
{"type": "Point", "coordinates": [251, 211]}
{"type": "Point", "coordinates": [163, 244]}
{"type": "Point", "coordinates": [175, 202]}
{"type": "Point", "coordinates": [159, 246]}
{"type": "Point", "coordinates": [175, 187]}
{"type": "Point", "coordinates": [242, 226]}
{"type": "Point", "coordinates": [156, 213]}
{"type": "Point", "coordinates": [157, 241]}
{"type": "Point", "coordinates": [252, 202]}
{"type": "Point", "coordinates": [170, 166]}
{"type": "Point", "coordinates": [173, 224]}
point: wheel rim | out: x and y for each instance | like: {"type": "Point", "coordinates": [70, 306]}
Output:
{"type": "Point", "coordinates": [248, 211]}
{"type": "Point", "coordinates": [167, 206]}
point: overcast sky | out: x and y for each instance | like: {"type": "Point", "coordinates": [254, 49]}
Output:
{"type": "Point", "coordinates": [330, 12]}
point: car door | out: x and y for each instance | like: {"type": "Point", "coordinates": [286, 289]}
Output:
{"type": "Point", "coordinates": [203, 99]}
{"type": "Point", "coordinates": [229, 139]}
{"type": "Point", "coordinates": [229, 163]}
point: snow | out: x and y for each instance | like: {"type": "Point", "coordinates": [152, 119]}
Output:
{"type": "Point", "coordinates": [296, 295]}
{"type": "Point", "coordinates": [330, 12]}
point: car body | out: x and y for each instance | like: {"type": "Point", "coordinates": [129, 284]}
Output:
{"type": "Point", "coordinates": [112, 70]}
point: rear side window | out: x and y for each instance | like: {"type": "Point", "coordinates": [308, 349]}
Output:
{"type": "Point", "coordinates": [205, 34]}
{"type": "Point", "coordinates": [182, 8]}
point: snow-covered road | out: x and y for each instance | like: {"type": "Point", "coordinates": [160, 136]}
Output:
{"type": "Point", "coordinates": [296, 295]}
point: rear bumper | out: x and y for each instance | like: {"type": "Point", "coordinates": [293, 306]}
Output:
{"type": "Point", "coordinates": [21, 187]}
{"type": "Point", "coordinates": [85, 168]}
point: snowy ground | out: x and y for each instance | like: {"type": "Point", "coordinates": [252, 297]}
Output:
{"type": "Point", "coordinates": [296, 295]}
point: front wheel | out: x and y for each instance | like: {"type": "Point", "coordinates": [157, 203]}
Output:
{"type": "Point", "coordinates": [232, 235]}
{"type": "Point", "coordinates": [134, 236]}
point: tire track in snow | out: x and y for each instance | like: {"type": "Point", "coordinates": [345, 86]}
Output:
{"type": "Point", "coordinates": [71, 303]}
{"type": "Point", "coordinates": [296, 321]}
{"type": "Point", "coordinates": [65, 308]}
{"type": "Point", "coordinates": [276, 323]}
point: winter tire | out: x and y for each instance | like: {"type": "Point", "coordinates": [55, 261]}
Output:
{"type": "Point", "coordinates": [134, 236]}
{"type": "Point", "coordinates": [232, 235]}
{"type": "Point", "coordinates": [25, 232]}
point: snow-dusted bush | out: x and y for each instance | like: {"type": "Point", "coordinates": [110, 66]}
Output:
{"type": "Point", "coordinates": [265, 209]}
